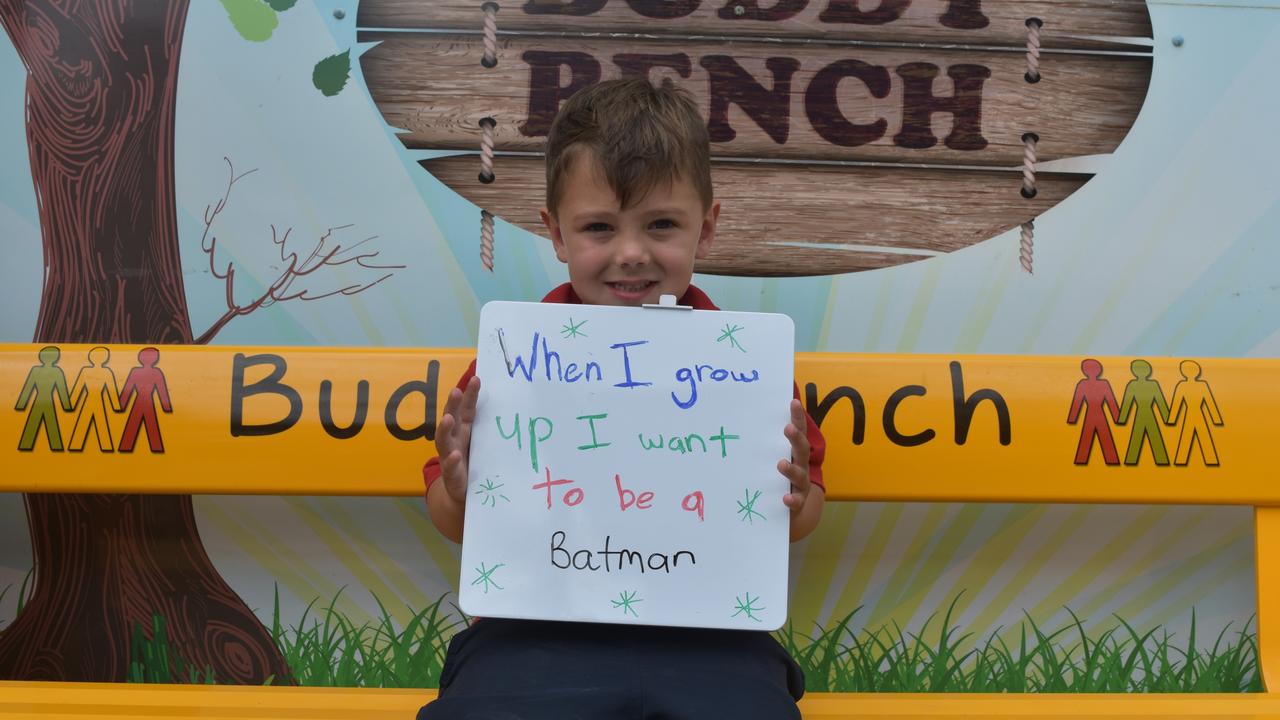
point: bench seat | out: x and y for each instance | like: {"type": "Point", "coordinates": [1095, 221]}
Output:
{"type": "Point", "coordinates": [83, 701]}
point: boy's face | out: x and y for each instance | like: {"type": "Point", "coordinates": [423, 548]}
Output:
{"type": "Point", "coordinates": [631, 256]}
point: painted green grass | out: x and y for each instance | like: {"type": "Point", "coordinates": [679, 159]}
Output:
{"type": "Point", "coordinates": [153, 659]}
{"type": "Point", "coordinates": [1066, 660]}
{"type": "Point", "coordinates": [327, 648]}
{"type": "Point", "coordinates": [330, 649]}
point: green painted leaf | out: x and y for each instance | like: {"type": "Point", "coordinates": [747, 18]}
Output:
{"type": "Point", "coordinates": [281, 5]}
{"type": "Point", "coordinates": [253, 19]}
{"type": "Point", "coordinates": [331, 73]}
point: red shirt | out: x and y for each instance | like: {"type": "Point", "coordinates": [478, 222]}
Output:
{"type": "Point", "coordinates": [699, 301]}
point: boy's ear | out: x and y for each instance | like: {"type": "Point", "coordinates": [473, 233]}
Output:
{"type": "Point", "coordinates": [707, 234]}
{"type": "Point", "coordinates": [553, 229]}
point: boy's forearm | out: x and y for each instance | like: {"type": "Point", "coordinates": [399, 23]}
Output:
{"type": "Point", "coordinates": [805, 520]}
{"type": "Point", "coordinates": [446, 514]}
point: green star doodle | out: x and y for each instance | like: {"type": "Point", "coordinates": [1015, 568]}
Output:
{"type": "Point", "coordinates": [747, 507]}
{"type": "Point", "coordinates": [626, 601]}
{"type": "Point", "coordinates": [573, 330]}
{"type": "Point", "coordinates": [485, 577]}
{"type": "Point", "coordinates": [490, 492]}
{"type": "Point", "coordinates": [747, 606]}
{"type": "Point", "coordinates": [727, 334]}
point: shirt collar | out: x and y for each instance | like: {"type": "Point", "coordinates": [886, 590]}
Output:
{"type": "Point", "coordinates": [692, 297]}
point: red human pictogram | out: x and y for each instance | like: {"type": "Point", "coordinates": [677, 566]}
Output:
{"type": "Point", "coordinates": [146, 382]}
{"type": "Point", "coordinates": [1095, 396]}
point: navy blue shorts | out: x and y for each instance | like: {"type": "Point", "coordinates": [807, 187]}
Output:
{"type": "Point", "coordinates": [508, 669]}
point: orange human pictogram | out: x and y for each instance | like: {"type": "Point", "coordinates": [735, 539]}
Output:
{"type": "Point", "coordinates": [95, 387]}
{"type": "Point", "coordinates": [1191, 404]}
{"type": "Point", "coordinates": [45, 383]}
{"type": "Point", "coordinates": [1143, 399]}
{"type": "Point", "coordinates": [1094, 395]}
{"type": "Point", "coordinates": [146, 382]}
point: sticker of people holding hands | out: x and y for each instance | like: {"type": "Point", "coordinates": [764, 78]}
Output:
{"type": "Point", "coordinates": [1190, 410]}
{"type": "Point", "coordinates": [93, 391]}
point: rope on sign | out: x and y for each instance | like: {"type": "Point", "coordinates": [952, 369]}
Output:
{"type": "Point", "coordinates": [1027, 236]}
{"type": "Point", "coordinates": [487, 125]}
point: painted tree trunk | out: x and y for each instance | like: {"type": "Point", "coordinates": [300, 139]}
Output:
{"type": "Point", "coordinates": [101, 96]}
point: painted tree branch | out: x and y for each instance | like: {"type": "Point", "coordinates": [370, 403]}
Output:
{"type": "Point", "coordinates": [327, 252]}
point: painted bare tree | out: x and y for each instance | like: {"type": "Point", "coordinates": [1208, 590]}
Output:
{"type": "Point", "coordinates": [101, 91]}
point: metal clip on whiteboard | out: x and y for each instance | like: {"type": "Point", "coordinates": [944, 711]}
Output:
{"type": "Point", "coordinates": [668, 302]}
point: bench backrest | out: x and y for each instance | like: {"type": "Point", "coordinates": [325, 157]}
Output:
{"type": "Point", "coordinates": [898, 427]}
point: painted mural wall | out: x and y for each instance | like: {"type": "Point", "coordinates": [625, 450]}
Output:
{"type": "Point", "coordinates": [252, 172]}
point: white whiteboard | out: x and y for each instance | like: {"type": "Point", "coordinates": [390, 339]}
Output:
{"type": "Point", "coordinates": [672, 513]}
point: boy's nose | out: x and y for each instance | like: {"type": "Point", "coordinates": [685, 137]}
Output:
{"type": "Point", "coordinates": [632, 250]}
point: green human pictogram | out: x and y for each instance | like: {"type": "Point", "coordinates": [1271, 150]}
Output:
{"type": "Point", "coordinates": [626, 601]}
{"type": "Point", "coordinates": [489, 492]}
{"type": "Point", "coordinates": [484, 577]}
{"type": "Point", "coordinates": [1191, 405]}
{"type": "Point", "coordinates": [728, 334]}
{"type": "Point", "coordinates": [747, 606]}
{"type": "Point", "coordinates": [1144, 399]}
{"type": "Point", "coordinates": [44, 383]}
{"type": "Point", "coordinates": [747, 507]}
{"type": "Point", "coordinates": [94, 389]}
{"type": "Point", "coordinates": [573, 330]}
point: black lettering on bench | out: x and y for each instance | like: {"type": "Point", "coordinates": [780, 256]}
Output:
{"type": "Point", "coordinates": [269, 385]}
{"type": "Point", "coordinates": [427, 428]}
{"type": "Point", "coordinates": [965, 407]}
{"type": "Point", "coordinates": [818, 409]}
{"type": "Point", "coordinates": [890, 427]}
{"type": "Point", "coordinates": [326, 410]}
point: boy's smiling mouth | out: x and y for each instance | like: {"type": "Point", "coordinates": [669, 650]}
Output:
{"type": "Point", "coordinates": [631, 290]}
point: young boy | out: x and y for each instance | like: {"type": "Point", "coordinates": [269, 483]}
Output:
{"type": "Point", "coordinates": [629, 209]}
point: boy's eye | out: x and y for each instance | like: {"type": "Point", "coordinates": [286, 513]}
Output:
{"type": "Point", "coordinates": [664, 224]}
{"type": "Point", "coordinates": [597, 227]}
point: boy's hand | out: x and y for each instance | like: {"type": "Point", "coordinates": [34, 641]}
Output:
{"type": "Point", "coordinates": [453, 439]}
{"type": "Point", "coordinates": [797, 470]}
{"type": "Point", "coordinates": [804, 501]}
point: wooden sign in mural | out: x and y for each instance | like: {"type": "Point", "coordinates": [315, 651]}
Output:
{"type": "Point", "coordinates": [869, 95]}
{"type": "Point", "coordinates": [1079, 23]}
{"type": "Point", "coordinates": [837, 219]}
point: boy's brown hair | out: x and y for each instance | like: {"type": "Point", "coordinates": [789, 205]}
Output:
{"type": "Point", "coordinates": [642, 135]}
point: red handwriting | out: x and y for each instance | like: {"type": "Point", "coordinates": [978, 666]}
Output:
{"type": "Point", "coordinates": [693, 503]}
{"type": "Point", "coordinates": [571, 497]}
{"type": "Point", "coordinates": [628, 498]}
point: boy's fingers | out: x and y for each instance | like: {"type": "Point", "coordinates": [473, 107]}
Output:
{"type": "Point", "coordinates": [799, 444]}
{"type": "Point", "coordinates": [445, 426]}
{"type": "Point", "coordinates": [451, 465]}
{"type": "Point", "coordinates": [467, 410]}
{"type": "Point", "coordinates": [795, 501]}
{"type": "Point", "coordinates": [797, 474]}
{"type": "Point", "coordinates": [462, 438]}
{"type": "Point", "coordinates": [444, 432]}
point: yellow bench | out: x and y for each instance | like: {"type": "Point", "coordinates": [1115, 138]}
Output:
{"type": "Point", "coordinates": [899, 428]}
